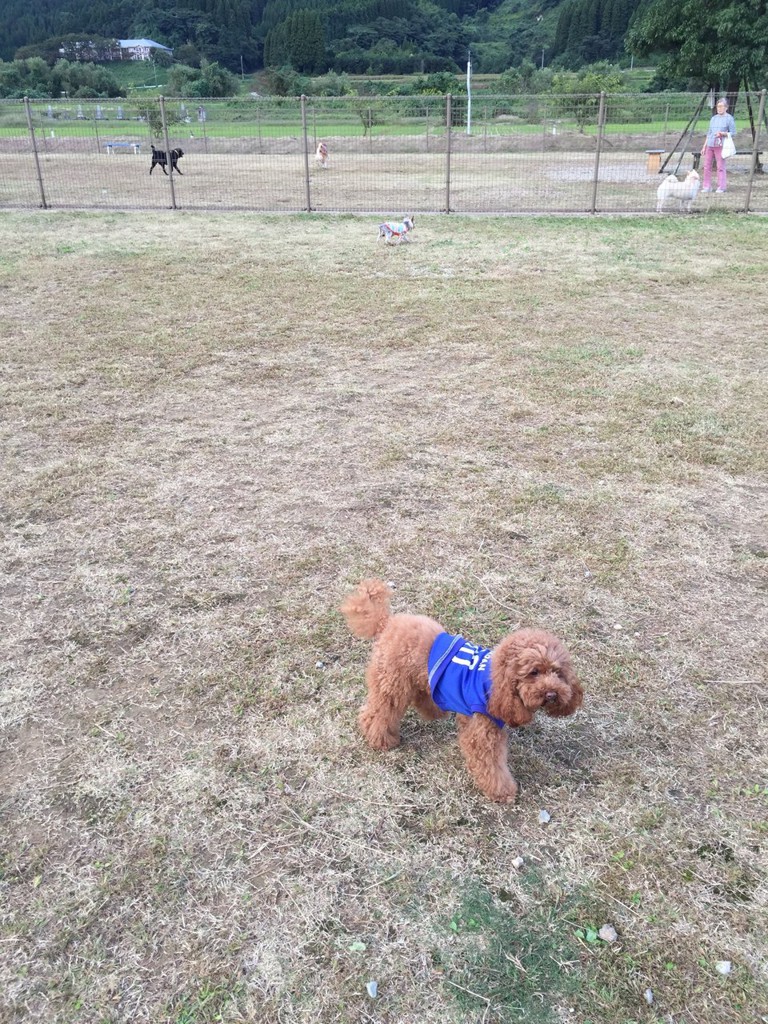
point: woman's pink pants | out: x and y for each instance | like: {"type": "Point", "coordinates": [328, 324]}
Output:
{"type": "Point", "coordinates": [717, 153]}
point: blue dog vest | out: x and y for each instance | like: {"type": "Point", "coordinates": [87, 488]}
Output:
{"type": "Point", "coordinates": [460, 676]}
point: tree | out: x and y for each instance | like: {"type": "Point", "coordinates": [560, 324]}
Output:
{"type": "Point", "coordinates": [33, 77]}
{"type": "Point", "coordinates": [30, 77]}
{"type": "Point", "coordinates": [578, 93]}
{"type": "Point", "coordinates": [370, 114]}
{"type": "Point", "coordinates": [150, 112]}
{"type": "Point", "coordinates": [588, 30]}
{"type": "Point", "coordinates": [216, 80]}
{"type": "Point", "coordinates": [162, 59]}
{"type": "Point", "coordinates": [210, 79]}
{"type": "Point", "coordinates": [187, 54]}
{"type": "Point", "coordinates": [298, 41]}
{"type": "Point", "coordinates": [332, 84]}
{"type": "Point", "coordinates": [437, 84]}
{"type": "Point", "coordinates": [285, 81]}
{"type": "Point", "coordinates": [714, 43]}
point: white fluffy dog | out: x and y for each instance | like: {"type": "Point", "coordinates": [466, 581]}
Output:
{"type": "Point", "coordinates": [321, 154]}
{"type": "Point", "coordinates": [684, 191]}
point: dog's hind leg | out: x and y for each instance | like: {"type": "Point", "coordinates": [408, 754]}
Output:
{"type": "Point", "coordinates": [383, 711]}
{"type": "Point", "coordinates": [484, 746]}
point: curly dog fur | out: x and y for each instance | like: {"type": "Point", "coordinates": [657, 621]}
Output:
{"type": "Point", "coordinates": [530, 670]}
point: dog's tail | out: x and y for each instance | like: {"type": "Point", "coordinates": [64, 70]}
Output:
{"type": "Point", "coordinates": [367, 608]}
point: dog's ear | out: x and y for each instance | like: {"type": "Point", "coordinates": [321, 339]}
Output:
{"type": "Point", "coordinates": [577, 693]}
{"type": "Point", "coordinates": [506, 674]}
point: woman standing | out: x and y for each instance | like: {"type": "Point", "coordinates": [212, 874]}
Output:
{"type": "Point", "coordinates": [720, 125]}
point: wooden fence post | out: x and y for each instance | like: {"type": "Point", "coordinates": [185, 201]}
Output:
{"type": "Point", "coordinates": [755, 151]}
{"type": "Point", "coordinates": [306, 152]}
{"type": "Point", "coordinates": [448, 120]}
{"type": "Point", "coordinates": [28, 111]}
{"type": "Point", "coordinates": [168, 160]}
{"type": "Point", "coordinates": [600, 129]}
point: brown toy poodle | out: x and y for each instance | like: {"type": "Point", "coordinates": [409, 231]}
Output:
{"type": "Point", "coordinates": [416, 663]}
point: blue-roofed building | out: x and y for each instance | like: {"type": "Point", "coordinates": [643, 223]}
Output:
{"type": "Point", "coordinates": [139, 49]}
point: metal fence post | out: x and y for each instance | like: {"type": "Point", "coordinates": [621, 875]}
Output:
{"type": "Point", "coordinates": [306, 152]}
{"type": "Point", "coordinates": [448, 120]}
{"type": "Point", "coordinates": [600, 128]}
{"type": "Point", "coordinates": [28, 112]}
{"type": "Point", "coordinates": [755, 150]}
{"type": "Point", "coordinates": [168, 160]}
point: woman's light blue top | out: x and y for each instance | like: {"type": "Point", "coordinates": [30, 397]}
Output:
{"type": "Point", "coordinates": [720, 123]}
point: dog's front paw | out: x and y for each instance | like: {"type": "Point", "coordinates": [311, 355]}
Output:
{"type": "Point", "coordinates": [505, 794]}
{"type": "Point", "coordinates": [380, 735]}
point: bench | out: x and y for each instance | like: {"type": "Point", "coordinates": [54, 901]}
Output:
{"type": "Point", "coordinates": [696, 154]}
{"type": "Point", "coordinates": [112, 146]}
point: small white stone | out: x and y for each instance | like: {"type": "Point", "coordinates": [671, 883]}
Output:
{"type": "Point", "coordinates": [518, 862]}
{"type": "Point", "coordinates": [544, 817]}
{"type": "Point", "coordinates": [319, 664]}
{"type": "Point", "coordinates": [607, 933]}
{"type": "Point", "coordinates": [649, 996]}
{"type": "Point", "coordinates": [618, 626]}
{"type": "Point", "coordinates": [372, 989]}
{"type": "Point", "coordinates": [723, 967]}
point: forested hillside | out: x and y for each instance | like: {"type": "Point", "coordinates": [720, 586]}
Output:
{"type": "Point", "coordinates": [590, 30]}
{"type": "Point", "coordinates": [356, 36]}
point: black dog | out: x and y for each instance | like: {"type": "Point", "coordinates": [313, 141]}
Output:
{"type": "Point", "coordinates": [159, 156]}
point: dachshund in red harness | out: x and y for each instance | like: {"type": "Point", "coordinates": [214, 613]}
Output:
{"type": "Point", "coordinates": [394, 234]}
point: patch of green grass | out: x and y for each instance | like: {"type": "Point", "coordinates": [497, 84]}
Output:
{"type": "Point", "coordinates": [207, 1005]}
{"type": "Point", "coordinates": [707, 439]}
{"type": "Point", "coordinates": [538, 494]}
{"type": "Point", "coordinates": [519, 965]}
{"type": "Point", "coordinates": [136, 75]}
{"type": "Point", "coordinates": [591, 353]}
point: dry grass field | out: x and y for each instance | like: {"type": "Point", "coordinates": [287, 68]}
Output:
{"type": "Point", "coordinates": [212, 428]}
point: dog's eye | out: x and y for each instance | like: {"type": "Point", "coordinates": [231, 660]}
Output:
{"type": "Point", "coordinates": [533, 672]}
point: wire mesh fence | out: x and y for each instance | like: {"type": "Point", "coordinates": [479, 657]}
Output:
{"type": "Point", "coordinates": [386, 155]}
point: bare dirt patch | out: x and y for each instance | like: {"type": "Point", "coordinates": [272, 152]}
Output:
{"type": "Point", "coordinates": [211, 429]}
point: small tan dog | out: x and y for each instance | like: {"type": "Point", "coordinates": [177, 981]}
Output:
{"type": "Point", "coordinates": [415, 663]}
{"type": "Point", "coordinates": [321, 154]}
{"type": "Point", "coordinates": [684, 191]}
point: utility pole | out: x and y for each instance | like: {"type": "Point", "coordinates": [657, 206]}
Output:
{"type": "Point", "coordinates": [469, 92]}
